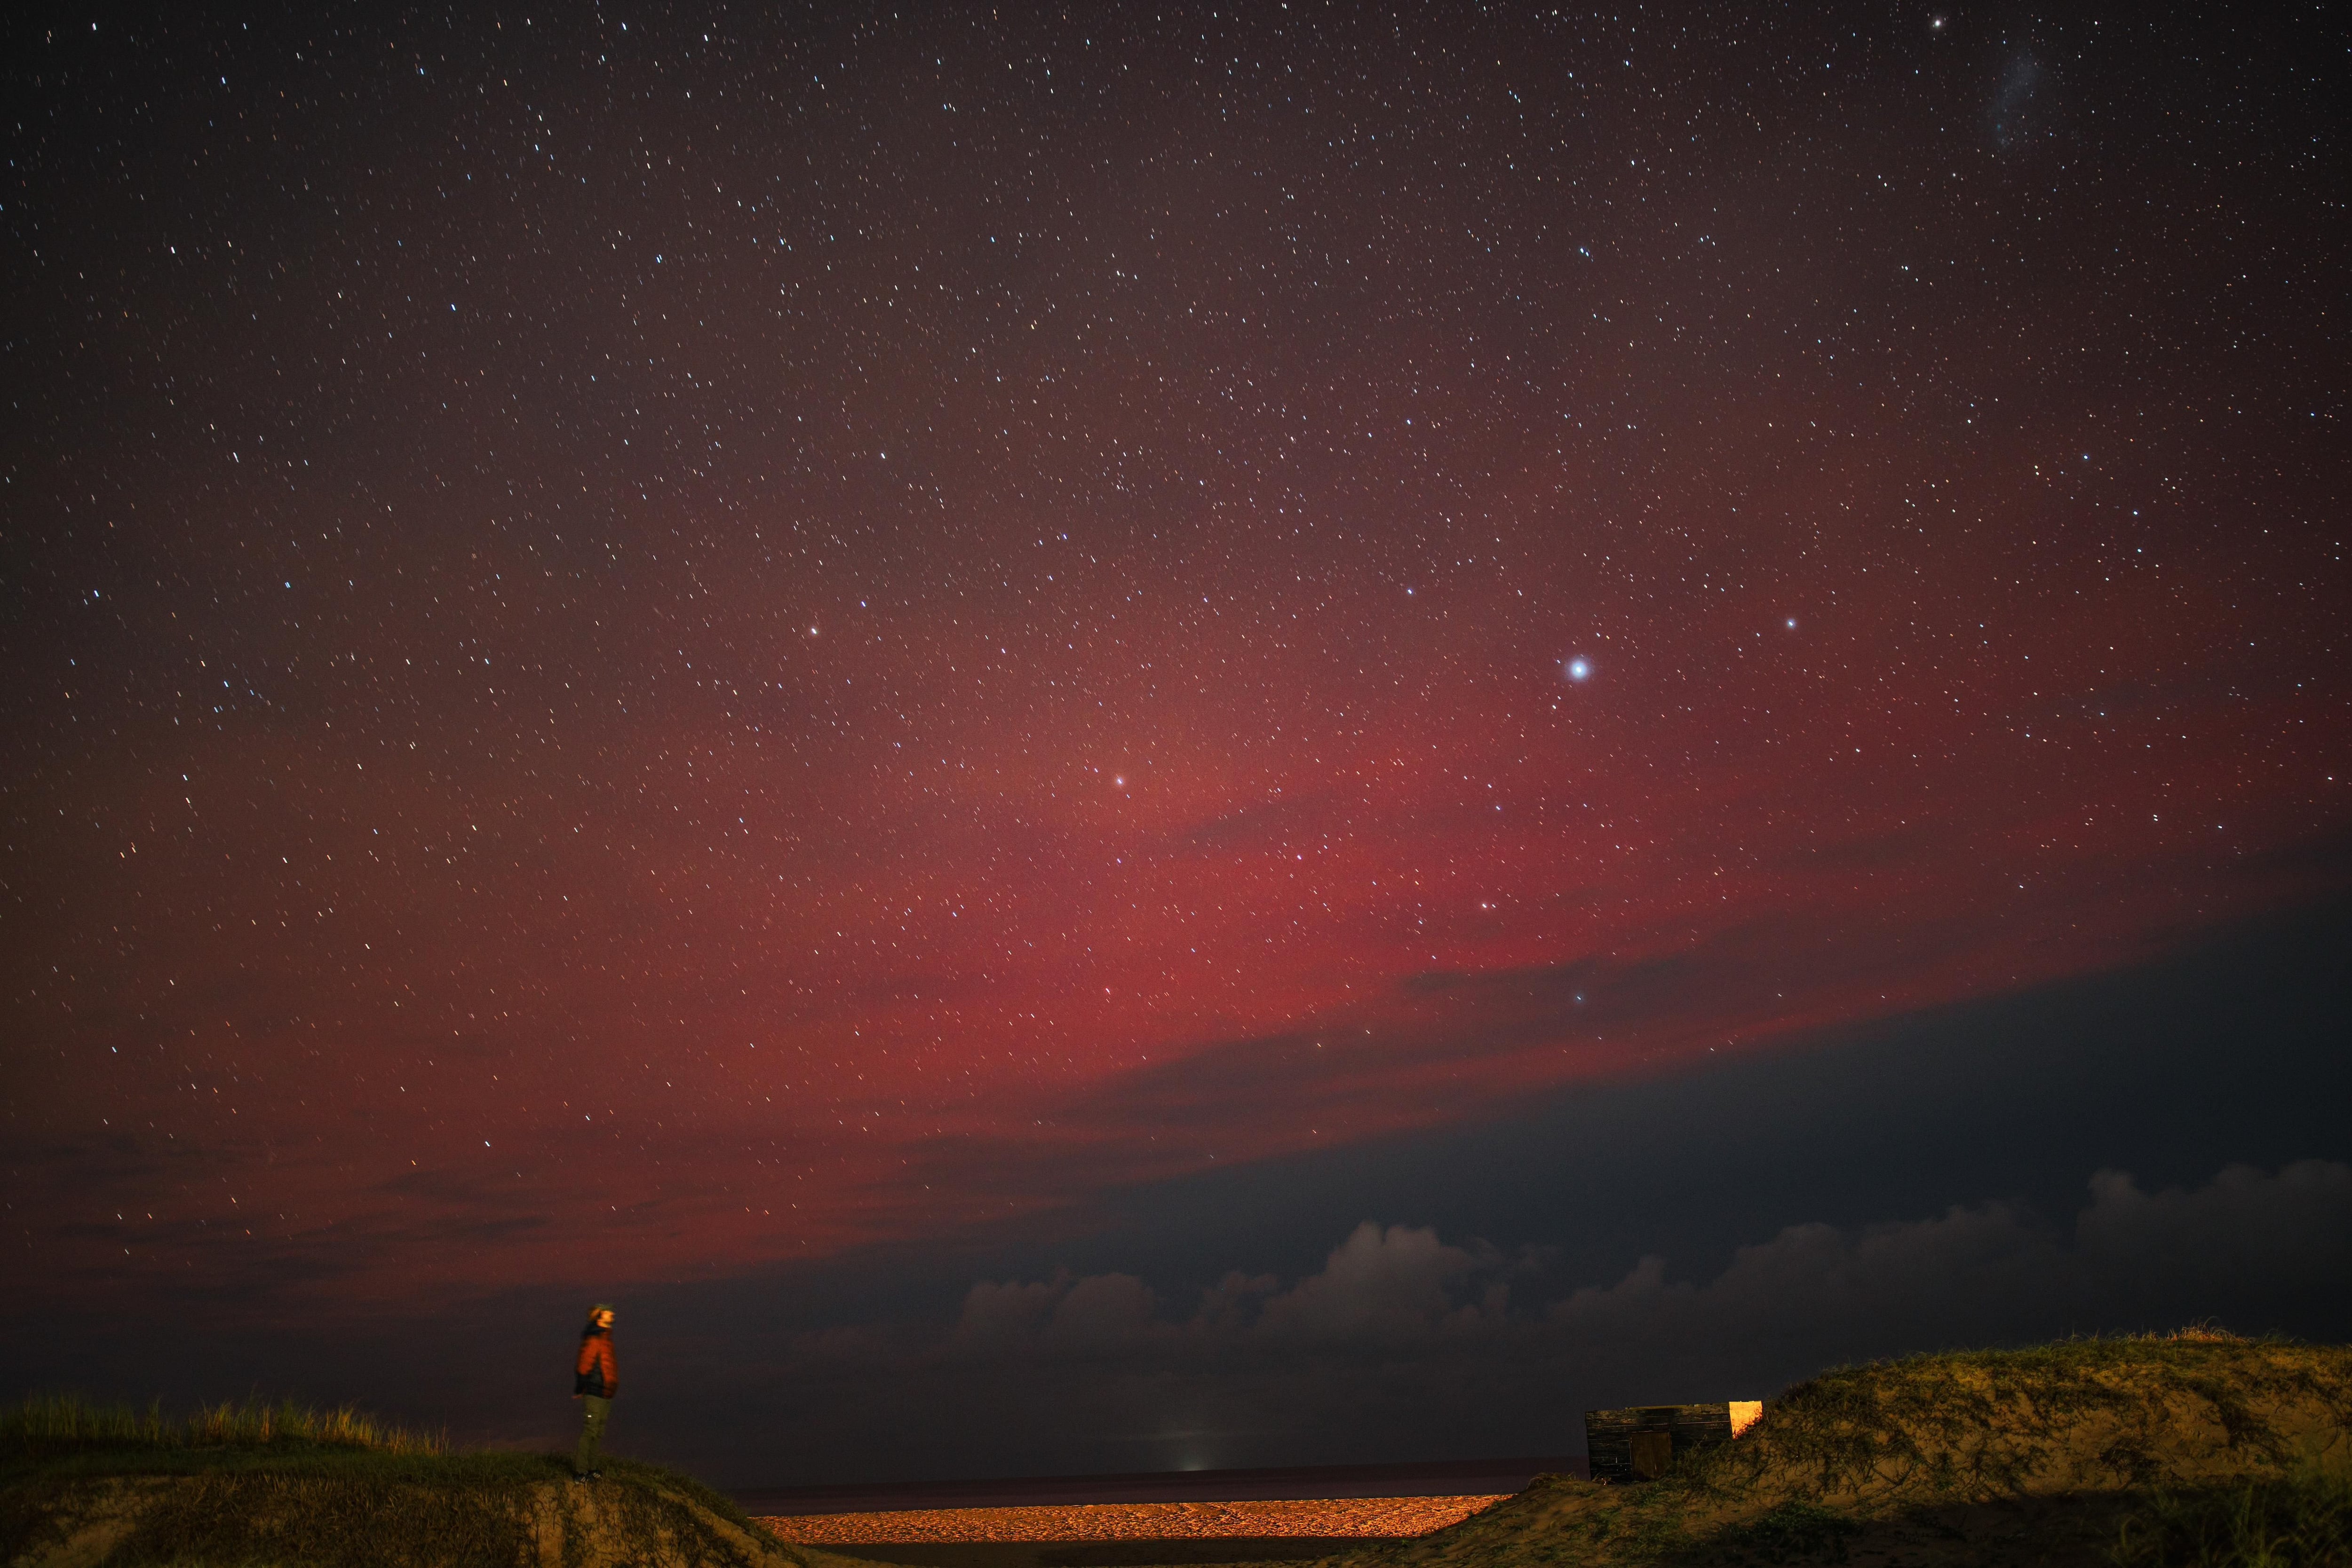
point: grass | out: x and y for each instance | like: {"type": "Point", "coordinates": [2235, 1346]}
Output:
{"type": "Point", "coordinates": [287, 1483]}
{"type": "Point", "coordinates": [2303, 1520]}
{"type": "Point", "coordinates": [2142, 1453]}
{"type": "Point", "coordinates": [52, 1425]}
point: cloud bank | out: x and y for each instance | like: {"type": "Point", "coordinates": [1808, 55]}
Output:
{"type": "Point", "coordinates": [1410, 1344]}
{"type": "Point", "coordinates": [2131, 1257]}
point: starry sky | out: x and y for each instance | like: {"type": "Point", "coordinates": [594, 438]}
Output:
{"type": "Point", "coordinates": [903, 660]}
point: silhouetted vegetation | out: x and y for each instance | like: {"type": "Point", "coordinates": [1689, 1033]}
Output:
{"type": "Point", "coordinates": [114, 1487]}
{"type": "Point", "coordinates": [2303, 1521]}
{"type": "Point", "coordinates": [47, 1426]}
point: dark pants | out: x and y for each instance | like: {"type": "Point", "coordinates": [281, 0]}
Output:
{"type": "Point", "coordinates": [593, 1409]}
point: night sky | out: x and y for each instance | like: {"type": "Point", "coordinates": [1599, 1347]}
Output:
{"type": "Point", "coordinates": [1104, 736]}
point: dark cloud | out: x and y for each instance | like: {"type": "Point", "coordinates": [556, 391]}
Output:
{"type": "Point", "coordinates": [1392, 1285]}
{"type": "Point", "coordinates": [2130, 1259]}
{"type": "Point", "coordinates": [2233, 1250]}
{"type": "Point", "coordinates": [2293, 1229]}
{"type": "Point", "coordinates": [1404, 1343]}
{"type": "Point", "coordinates": [1378, 1287]}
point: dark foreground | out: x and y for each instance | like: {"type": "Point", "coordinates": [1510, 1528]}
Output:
{"type": "Point", "coordinates": [2086, 1454]}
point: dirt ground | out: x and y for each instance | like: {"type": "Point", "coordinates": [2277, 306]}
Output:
{"type": "Point", "coordinates": [1324, 1518]}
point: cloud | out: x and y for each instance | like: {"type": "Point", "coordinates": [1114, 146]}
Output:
{"type": "Point", "coordinates": [1816, 1272]}
{"type": "Point", "coordinates": [1405, 1343]}
{"type": "Point", "coordinates": [1005, 1314]}
{"type": "Point", "coordinates": [1102, 1310]}
{"type": "Point", "coordinates": [2247, 1242]}
{"type": "Point", "coordinates": [1065, 1312]}
{"type": "Point", "coordinates": [1384, 1286]}
{"type": "Point", "coordinates": [1391, 1285]}
{"type": "Point", "coordinates": [2296, 1225]}
{"type": "Point", "coordinates": [1989, 1271]}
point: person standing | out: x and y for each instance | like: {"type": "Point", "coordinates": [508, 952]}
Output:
{"type": "Point", "coordinates": [595, 1379]}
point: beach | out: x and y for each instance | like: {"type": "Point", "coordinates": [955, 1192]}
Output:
{"type": "Point", "coordinates": [1322, 1518]}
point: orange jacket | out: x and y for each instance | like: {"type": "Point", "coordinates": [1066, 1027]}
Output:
{"type": "Point", "coordinates": [594, 1371]}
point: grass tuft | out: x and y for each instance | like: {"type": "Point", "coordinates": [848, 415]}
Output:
{"type": "Point", "coordinates": [54, 1426]}
{"type": "Point", "coordinates": [2301, 1521]}
{"type": "Point", "coordinates": [1796, 1531]}
{"type": "Point", "coordinates": [2204, 1331]}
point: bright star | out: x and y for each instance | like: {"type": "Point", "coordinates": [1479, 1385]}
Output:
{"type": "Point", "coordinates": [1578, 669]}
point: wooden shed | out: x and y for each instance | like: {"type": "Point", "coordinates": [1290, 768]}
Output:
{"type": "Point", "coordinates": [1639, 1442]}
